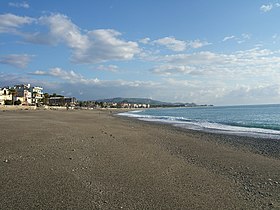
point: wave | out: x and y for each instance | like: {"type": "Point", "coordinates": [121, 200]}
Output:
{"type": "Point", "coordinates": [254, 130]}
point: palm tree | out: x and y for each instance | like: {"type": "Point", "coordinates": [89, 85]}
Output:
{"type": "Point", "coordinates": [46, 98]}
{"type": "Point", "coordinates": [13, 91]}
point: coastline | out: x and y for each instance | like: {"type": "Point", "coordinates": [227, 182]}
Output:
{"type": "Point", "coordinates": [210, 124]}
{"type": "Point", "coordinates": [94, 159]}
{"type": "Point", "coordinates": [259, 145]}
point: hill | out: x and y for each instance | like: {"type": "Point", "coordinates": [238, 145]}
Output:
{"type": "Point", "coordinates": [145, 101]}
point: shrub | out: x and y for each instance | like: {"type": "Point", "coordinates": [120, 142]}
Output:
{"type": "Point", "coordinates": [8, 102]}
{"type": "Point", "coordinates": [18, 102]}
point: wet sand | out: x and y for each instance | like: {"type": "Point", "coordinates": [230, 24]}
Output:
{"type": "Point", "coordinates": [96, 160]}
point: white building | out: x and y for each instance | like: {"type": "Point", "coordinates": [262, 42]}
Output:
{"type": "Point", "coordinates": [5, 95]}
{"type": "Point", "coordinates": [37, 94]}
{"type": "Point", "coordinates": [23, 94]}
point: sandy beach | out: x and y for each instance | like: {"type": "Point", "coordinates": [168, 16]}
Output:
{"type": "Point", "coordinates": [92, 159]}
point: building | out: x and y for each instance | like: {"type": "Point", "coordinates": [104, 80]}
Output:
{"type": "Point", "coordinates": [37, 94]}
{"type": "Point", "coordinates": [26, 94]}
{"type": "Point", "coordinates": [71, 101]}
{"type": "Point", "coordinates": [5, 95]}
{"type": "Point", "coordinates": [62, 101]}
{"type": "Point", "coordinates": [128, 105]}
{"type": "Point", "coordinates": [23, 94]}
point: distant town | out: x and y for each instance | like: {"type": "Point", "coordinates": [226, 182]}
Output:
{"type": "Point", "coordinates": [26, 95]}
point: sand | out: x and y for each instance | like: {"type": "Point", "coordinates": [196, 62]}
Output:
{"type": "Point", "coordinates": [80, 159]}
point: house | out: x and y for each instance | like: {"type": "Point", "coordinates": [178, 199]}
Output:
{"type": "Point", "coordinates": [23, 94]}
{"type": "Point", "coordinates": [28, 95]}
{"type": "Point", "coordinates": [71, 101]}
{"type": "Point", "coordinates": [5, 95]}
{"type": "Point", "coordinates": [62, 101]}
{"type": "Point", "coordinates": [37, 94]}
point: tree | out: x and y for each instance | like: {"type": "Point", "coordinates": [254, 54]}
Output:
{"type": "Point", "coordinates": [46, 98]}
{"type": "Point", "coordinates": [56, 95]}
{"type": "Point", "coordinates": [13, 92]}
{"type": "Point", "coordinates": [18, 102]}
{"type": "Point", "coordinates": [8, 102]}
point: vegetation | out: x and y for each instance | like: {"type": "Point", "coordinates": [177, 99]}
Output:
{"type": "Point", "coordinates": [8, 102]}
{"type": "Point", "coordinates": [13, 92]}
{"type": "Point", "coordinates": [18, 102]}
{"type": "Point", "coordinates": [56, 95]}
{"type": "Point", "coordinates": [45, 99]}
{"type": "Point", "coordinates": [92, 104]}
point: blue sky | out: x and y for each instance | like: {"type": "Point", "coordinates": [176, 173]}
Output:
{"type": "Point", "coordinates": [215, 52]}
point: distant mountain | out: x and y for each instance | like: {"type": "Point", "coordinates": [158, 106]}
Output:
{"type": "Point", "coordinates": [133, 101]}
{"type": "Point", "coordinates": [144, 101]}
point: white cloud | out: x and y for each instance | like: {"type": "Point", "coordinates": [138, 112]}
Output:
{"type": "Point", "coordinates": [200, 58]}
{"type": "Point", "coordinates": [240, 39]}
{"type": "Point", "coordinates": [105, 45]}
{"type": "Point", "coordinates": [72, 77]}
{"type": "Point", "coordinates": [251, 94]}
{"type": "Point", "coordinates": [246, 36]}
{"type": "Point", "coordinates": [24, 4]}
{"type": "Point", "coordinates": [19, 61]}
{"type": "Point", "coordinates": [228, 38]}
{"type": "Point", "coordinates": [219, 92]}
{"type": "Point", "coordinates": [168, 69]}
{"type": "Point", "coordinates": [250, 56]}
{"type": "Point", "coordinates": [69, 76]}
{"type": "Point", "coordinates": [145, 40]}
{"type": "Point", "coordinates": [76, 83]}
{"type": "Point", "coordinates": [92, 47]}
{"type": "Point", "coordinates": [112, 68]}
{"type": "Point", "coordinates": [262, 64]}
{"type": "Point", "coordinates": [178, 45]}
{"type": "Point", "coordinates": [62, 29]}
{"type": "Point", "coordinates": [10, 22]}
{"type": "Point", "coordinates": [266, 7]}
{"type": "Point", "coordinates": [39, 72]}
{"type": "Point", "coordinates": [171, 43]}
{"type": "Point", "coordinates": [218, 73]}
{"type": "Point", "coordinates": [198, 44]}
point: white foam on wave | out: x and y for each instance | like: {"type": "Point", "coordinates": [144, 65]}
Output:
{"type": "Point", "coordinates": [153, 118]}
{"type": "Point", "coordinates": [228, 129]}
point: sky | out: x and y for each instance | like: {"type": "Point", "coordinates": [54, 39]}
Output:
{"type": "Point", "coordinates": [202, 51]}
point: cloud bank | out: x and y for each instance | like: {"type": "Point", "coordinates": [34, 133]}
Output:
{"type": "Point", "coordinates": [93, 46]}
{"type": "Point", "coordinates": [19, 61]}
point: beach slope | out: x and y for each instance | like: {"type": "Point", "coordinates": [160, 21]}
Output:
{"type": "Point", "coordinates": [96, 160]}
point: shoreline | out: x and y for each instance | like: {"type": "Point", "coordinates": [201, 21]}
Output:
{"type": "Point", "coordinates": [92, 159]}
{"type": "Point", "coordinates": [259, 145]}
{"type": "Point", "coordinates": [241, 131]}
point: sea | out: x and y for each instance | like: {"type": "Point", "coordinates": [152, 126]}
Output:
{"type": "Point", "coordinates": [262, 121]}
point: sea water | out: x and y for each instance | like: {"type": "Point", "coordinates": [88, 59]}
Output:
{"type": "Point", "coordinates": [254, 120]}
